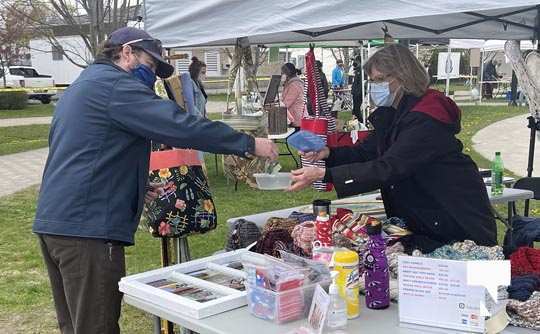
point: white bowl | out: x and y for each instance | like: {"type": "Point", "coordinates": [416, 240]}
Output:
{"type": "Point", "coordinates": [278, 181]}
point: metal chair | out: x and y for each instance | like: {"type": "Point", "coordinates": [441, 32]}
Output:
{"type": "Point", "coordinates": [528, 183]}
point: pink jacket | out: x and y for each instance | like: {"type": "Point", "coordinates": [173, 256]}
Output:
{"type": "Point", "coordinates": [293, 99]}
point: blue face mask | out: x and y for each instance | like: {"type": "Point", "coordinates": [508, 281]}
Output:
{"type": "Point", "coordinates": [145, 75]}
{"type": "Point", "coordinates": [380, 94]}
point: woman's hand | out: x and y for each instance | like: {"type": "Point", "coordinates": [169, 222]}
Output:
{"type": "Point", "coordinates": [304, 177]}
{"type": "Point", "coordinates": [314, 156]}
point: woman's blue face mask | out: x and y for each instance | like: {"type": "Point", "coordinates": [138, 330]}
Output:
{"type": "Point", "coordinates": [380, 94]}
{"type": "Point", "coordinates": [145, 74]}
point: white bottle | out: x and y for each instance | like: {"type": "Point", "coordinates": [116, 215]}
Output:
{"type": "Point", "coordinates": [337, 312]}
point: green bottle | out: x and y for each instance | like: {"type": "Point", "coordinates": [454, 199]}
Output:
{"type": "Point", "coordinates": [497, 171]}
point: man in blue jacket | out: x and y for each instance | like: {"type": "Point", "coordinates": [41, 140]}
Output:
{"type": "Point", "coordinates": [95, 178]}
{"type": "Point", "coordinates": [338, 78]}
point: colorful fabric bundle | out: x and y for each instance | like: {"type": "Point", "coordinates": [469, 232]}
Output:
{"type": "Point", "coordinates": [276, 223]}
{"type": "Point", "coordinates": [525, 314]}
{"type": "Point", "coordinates": [525, 261]}
{"type": "Point", "coordinates": [317, 116]}
{"type": "Point", "coordinates": [302, 217]}
{"type": "Point", "coordinates": [274, 241]}
{"type": "Point", "coordinates": [304, 236]}
{"type": "Point", "coordinates": [242, 234]}
{"type": "Point", "coordinates": [467, 250]}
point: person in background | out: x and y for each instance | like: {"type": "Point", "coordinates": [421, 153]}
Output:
{"type": "Point", "coordinates": [293, 94]}
{"type": "Point", "coordinates": [192, 88]}
{"type": "Point", "coordinates": [413, 157]}
{"type": "Point", "coordinates": [324, 81]}
{"type": "Point", "coordinates": [490, 74]}
{"type": "Point", "coordinates": [338, 76]}
{"type": "Point", "coordinates": [357, 90]}
{"type": "Point", "coordinates": [95, 180]}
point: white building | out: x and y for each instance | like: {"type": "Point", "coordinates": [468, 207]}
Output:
{"type": "Point", "coordinates": [48, 59]}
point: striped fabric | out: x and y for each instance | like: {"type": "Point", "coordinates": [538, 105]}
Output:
{"type": "Point", "coordinates": [314, 96]}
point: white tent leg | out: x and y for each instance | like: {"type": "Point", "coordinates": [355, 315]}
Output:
{"type": "Point", "coordinates": [481, 74]}
{"type": "Point", "coordinates": [447, 73]}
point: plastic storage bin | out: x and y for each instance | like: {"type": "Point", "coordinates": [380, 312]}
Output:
{"type": "Point", "coordinates": [278, 181]}
{"type": "Point", "coordinates": [283, 306]}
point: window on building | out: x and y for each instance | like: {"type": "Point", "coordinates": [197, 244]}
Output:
{"type": "Point", "coordinates": [182, 65]}
{"type": "Point", "coordinates": [57, 52]}
{"type": "Point", "coordinates": [211, 58]}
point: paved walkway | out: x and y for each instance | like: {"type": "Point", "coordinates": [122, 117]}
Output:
{"type": "Point", "coordinates": [4, 123]}
{"type": "Point", "coordinates": [511, 137]}
{"type": "Point", "coordinates": [21, 170]}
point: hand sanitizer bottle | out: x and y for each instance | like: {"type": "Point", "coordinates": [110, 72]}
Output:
{"type": "Point", "coordinates": [337, 312]}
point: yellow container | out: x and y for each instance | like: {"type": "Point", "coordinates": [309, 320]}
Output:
{"type": "Point", "coordinates": [348, 280]}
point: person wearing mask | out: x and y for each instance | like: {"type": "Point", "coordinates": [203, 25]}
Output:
{"type": "Point", "coordinates": [193, 89]}
{"type": "Point", "coordinates": [338, 77]}
{"type": "Point", "coordinates": [293, 94]}
{"type": "Point", "coordinates": [324, 81]}
{"type": "Point", "coordinates": [413, 157]}
{"type": "Point", "coordinates": [95, 179]}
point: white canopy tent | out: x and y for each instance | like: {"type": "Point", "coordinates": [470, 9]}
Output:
{"type": "Point", "coordinates": [486, 45]}
{"type": "Point", "coordinates": [221, 22]}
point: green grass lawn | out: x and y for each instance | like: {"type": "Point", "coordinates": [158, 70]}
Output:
{"type": "Point", "coordinates": [23, 138]}
{"type": "Point", "coordinates": [219, 97]}
{"type": "Point", "coordinates": [25, 299]}
{"type": "Point", "coordinates": [32, 110]}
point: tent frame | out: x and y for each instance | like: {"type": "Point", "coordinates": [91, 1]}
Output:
{"type": "Point", "coordinates": [483, 18]}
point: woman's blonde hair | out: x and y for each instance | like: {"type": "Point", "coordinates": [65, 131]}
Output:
{"type": "Point", "coordinates": [399, 62]}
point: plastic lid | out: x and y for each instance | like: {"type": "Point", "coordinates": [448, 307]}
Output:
{"type": "Point", "coordinates": [345, 256]}
{"type": "Point", "coordinates": [323, 216]}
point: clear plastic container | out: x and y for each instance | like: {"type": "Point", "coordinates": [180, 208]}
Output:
{"type": "Point", "coordinates": [282, 306]}
{"type": "Point", "coordinates": [278, 181]}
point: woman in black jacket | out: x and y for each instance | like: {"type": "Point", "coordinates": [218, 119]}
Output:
{"type": "Point", "coordinates": [413, 157]}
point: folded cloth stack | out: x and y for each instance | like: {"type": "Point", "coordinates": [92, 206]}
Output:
{"type": "Point", "coordinates": [525, 314]}
{"type": "Point", "coordinates": [522, 287]}
{"type": "Point", "coordinates": [525, 230]}
{"type": "Point", "coordinates": [273, 241]}
{"type": "Point", "coordinates": [302, 217]}
{"type": "Point", "coordinates": [466, 250]}
{"type": "Point", "coordinates": [276, 223]}
{"type": "Point", "coordinates": [525, 261]}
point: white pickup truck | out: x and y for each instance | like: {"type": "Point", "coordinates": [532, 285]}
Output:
{"type": "Point", "coordinates": [39, 87]}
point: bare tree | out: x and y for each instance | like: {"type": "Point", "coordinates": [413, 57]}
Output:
{"type": "Point", "coordinates": [91, 20]}
{"type": "Point", "coordinates": [344, 54]}
{"type": "Point", "coordinates": [14, 33]}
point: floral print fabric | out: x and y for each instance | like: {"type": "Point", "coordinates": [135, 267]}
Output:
{"type": "Point", "coordinates": [184, 205]}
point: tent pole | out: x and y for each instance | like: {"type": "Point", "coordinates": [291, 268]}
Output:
{"type": "Point", "coordinates": [362, 75]}
{"type": "Point", "coordinates": [481, 74]}
{"type": "Point", "coordinates": [448, 58]}
{"type": "Point", "coordinates": [417, 50]}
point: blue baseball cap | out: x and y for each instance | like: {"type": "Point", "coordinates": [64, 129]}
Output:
{"type": "Point", "coordinates": [142, 40]}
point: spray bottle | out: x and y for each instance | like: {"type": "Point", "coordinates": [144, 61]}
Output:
{"type": "Point", "coordinates": [337, 312]}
